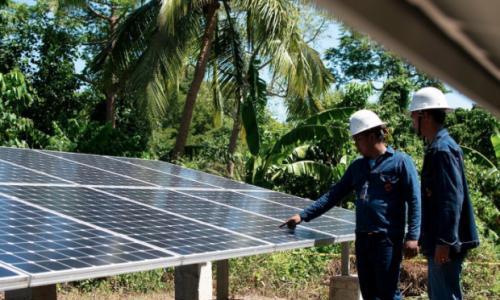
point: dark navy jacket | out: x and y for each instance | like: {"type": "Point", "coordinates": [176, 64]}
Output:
{"type": "Point", "coordinates": [447, 214]}
{"type": "Point", "coordinates": [383, 194]}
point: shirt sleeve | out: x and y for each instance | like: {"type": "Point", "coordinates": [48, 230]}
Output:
{"type": "Point", "coordinates": [331, 198]}
{"type": "Point", "coordinates": [449, 191]}
{"type": "Point", "coordinates": [412, 196]}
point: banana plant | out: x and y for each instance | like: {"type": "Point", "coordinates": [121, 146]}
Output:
{"type": "Point", "coordinates": [292, 153]}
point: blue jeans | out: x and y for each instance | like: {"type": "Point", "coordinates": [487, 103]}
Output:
{"type": "Point", "coordinates": [378, 260]}
{"type": "Point", "coordinates": [444, 279]}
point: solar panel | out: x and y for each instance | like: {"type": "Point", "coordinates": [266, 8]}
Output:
{"type": "Point", "coordinates": [72, 216]}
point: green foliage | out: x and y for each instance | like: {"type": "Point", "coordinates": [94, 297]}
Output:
{"type": "Point", "coordinates": [495, 141]}
{"type": "Point", "coordinates": [356, 95]}
{"type": "Point", "coordinates": [140, 282]}
{"type": "Point", "coordinates": [292, 274]}
{"type": "Point", "coordinates": [473, 128]}
{"type": "Point", "coordinates": [15, 99]}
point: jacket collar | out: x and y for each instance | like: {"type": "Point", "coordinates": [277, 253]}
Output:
{"type": "Point", "coordinates": [442, 132]}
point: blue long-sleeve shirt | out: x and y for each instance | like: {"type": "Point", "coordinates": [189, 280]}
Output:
{"type": "Point", "coordinates": [385, 193]}
{"type": "Point", "coordinates": [447, 214]}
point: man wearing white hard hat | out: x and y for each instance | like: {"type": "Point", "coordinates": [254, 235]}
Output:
{"type": "Point", "coordinates": [385, 182]}
{"type": "Point", "coordinates": [448, 226]}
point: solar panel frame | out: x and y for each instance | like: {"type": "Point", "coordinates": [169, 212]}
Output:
{"type": "Point", "coordinates": [18, 280]}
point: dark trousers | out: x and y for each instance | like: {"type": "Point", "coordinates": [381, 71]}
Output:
{"type": "Point", "coordinates": [444, 279]}
{"type": "Point", "coordinates": [378, 260]}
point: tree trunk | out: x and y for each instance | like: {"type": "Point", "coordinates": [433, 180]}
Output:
{"type": "Point", "coordinates": [111, 91]}
{"type": "Point", "coordinates": [233, 141]}
{"type": "Point", "coordinates": [199, 73]}
{"type": "Point", "coordinates": [110, 106]}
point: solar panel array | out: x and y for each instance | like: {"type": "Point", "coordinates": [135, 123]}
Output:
{"type": "Point", "coordinates": [68, 216]}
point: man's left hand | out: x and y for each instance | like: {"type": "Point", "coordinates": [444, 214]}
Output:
{"type": "Point", "coordinates": [410, 249]}
{"type": "Point", "coordinates": [442, 254]}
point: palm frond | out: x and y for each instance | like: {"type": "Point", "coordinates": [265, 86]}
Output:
{"type": "Point", "coordinates": [305, 168]}
{"type": "Point", "coordinates": [146, 60]}
{"type": "Point", "coordinates": [335, 114]}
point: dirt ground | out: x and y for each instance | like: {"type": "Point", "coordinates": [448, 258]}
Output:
{"type": "Point", "coordinates": [148, 296]}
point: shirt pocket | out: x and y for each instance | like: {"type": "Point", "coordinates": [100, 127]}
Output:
{"type": "Point", "coordinates": [388, 182]}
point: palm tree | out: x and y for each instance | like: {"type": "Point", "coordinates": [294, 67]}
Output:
{"type": "Point", "coordinates": [108, 14]}
{"type": "Point", "coordinates": [152, 46]}
{"type": "Point", "coordinates": [273, 40]}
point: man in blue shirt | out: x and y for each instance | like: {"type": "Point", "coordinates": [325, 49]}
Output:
{"type": "Point", "coordinates": [448, 226]}
{"type": "Point", "coordinates": [385, 182]}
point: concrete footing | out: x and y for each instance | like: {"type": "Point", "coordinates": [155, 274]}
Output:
{"type": "Point", "coordinates": [193, 282]}
{"type": "Point", "coordinates": [47, 292]}
{"type": "Point", "coordinates": [345, 288]}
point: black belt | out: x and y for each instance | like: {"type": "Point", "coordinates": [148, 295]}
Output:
{"type": "Point", "coordinates": [371, 233]}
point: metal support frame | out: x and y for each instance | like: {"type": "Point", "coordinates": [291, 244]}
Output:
{"type": "Point", "coordinates": [222, 279]}
{"type": "Point", "coordinates": [46, 292]}
{"type": "Point", "coordinates": [345, 259]}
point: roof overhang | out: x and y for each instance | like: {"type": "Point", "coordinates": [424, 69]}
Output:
{"type": "Point", "coordinates": [457, 41]}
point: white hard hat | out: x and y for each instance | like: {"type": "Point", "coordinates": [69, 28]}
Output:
{"type": "Point", "coordinates": [429, 98]}
{"type": "Point", "coordinates": [363, 120]}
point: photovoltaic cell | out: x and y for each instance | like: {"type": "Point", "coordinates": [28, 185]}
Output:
{"type": "Point", "coordinates": [260, 227]}
{"type": "Point", "coordinates": [36, 241]}
{"type": "Point", "coordinates": [275, 210]}
{"type": "Point", "coordinates": [64, 169]}
{"type": "Point", "coordinates": [10, 174]}
{"type": "Point", "coordinates": [215, 181]}
{"type": "Point", "coordinates": [4, 273]}
{"type": "Point", "coordinates": [162, 229]}
{"type": "Point", "coordinates": [123, 168]}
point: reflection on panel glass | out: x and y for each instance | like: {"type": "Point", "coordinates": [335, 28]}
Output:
{"type": "Point", "coordinates": [36, 241]}
{"type": "Point", "coordinates": [274, 209]}
{"type": "Point", "coordinates": [258, 226]}
{"type": "Point", "coordinates": [215, 181]}
{"type": "Point", "coordinates": [137, 172]}
{"type": "Point", "coordinates": [12, 174]}
{"type": "Point", "coordinates": [64, 169]}
{"type": "Point", "coordinates": [336, 212]}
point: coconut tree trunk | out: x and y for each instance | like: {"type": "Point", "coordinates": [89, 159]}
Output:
{"type": "Point", "coordinates": [233, 140]}
{"type": "Point", "coordinates": [111, 91]}
{"type": "Point", "coordinates": [110, 106]}
{"type": "Point", "coordinates": [199, 73]}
